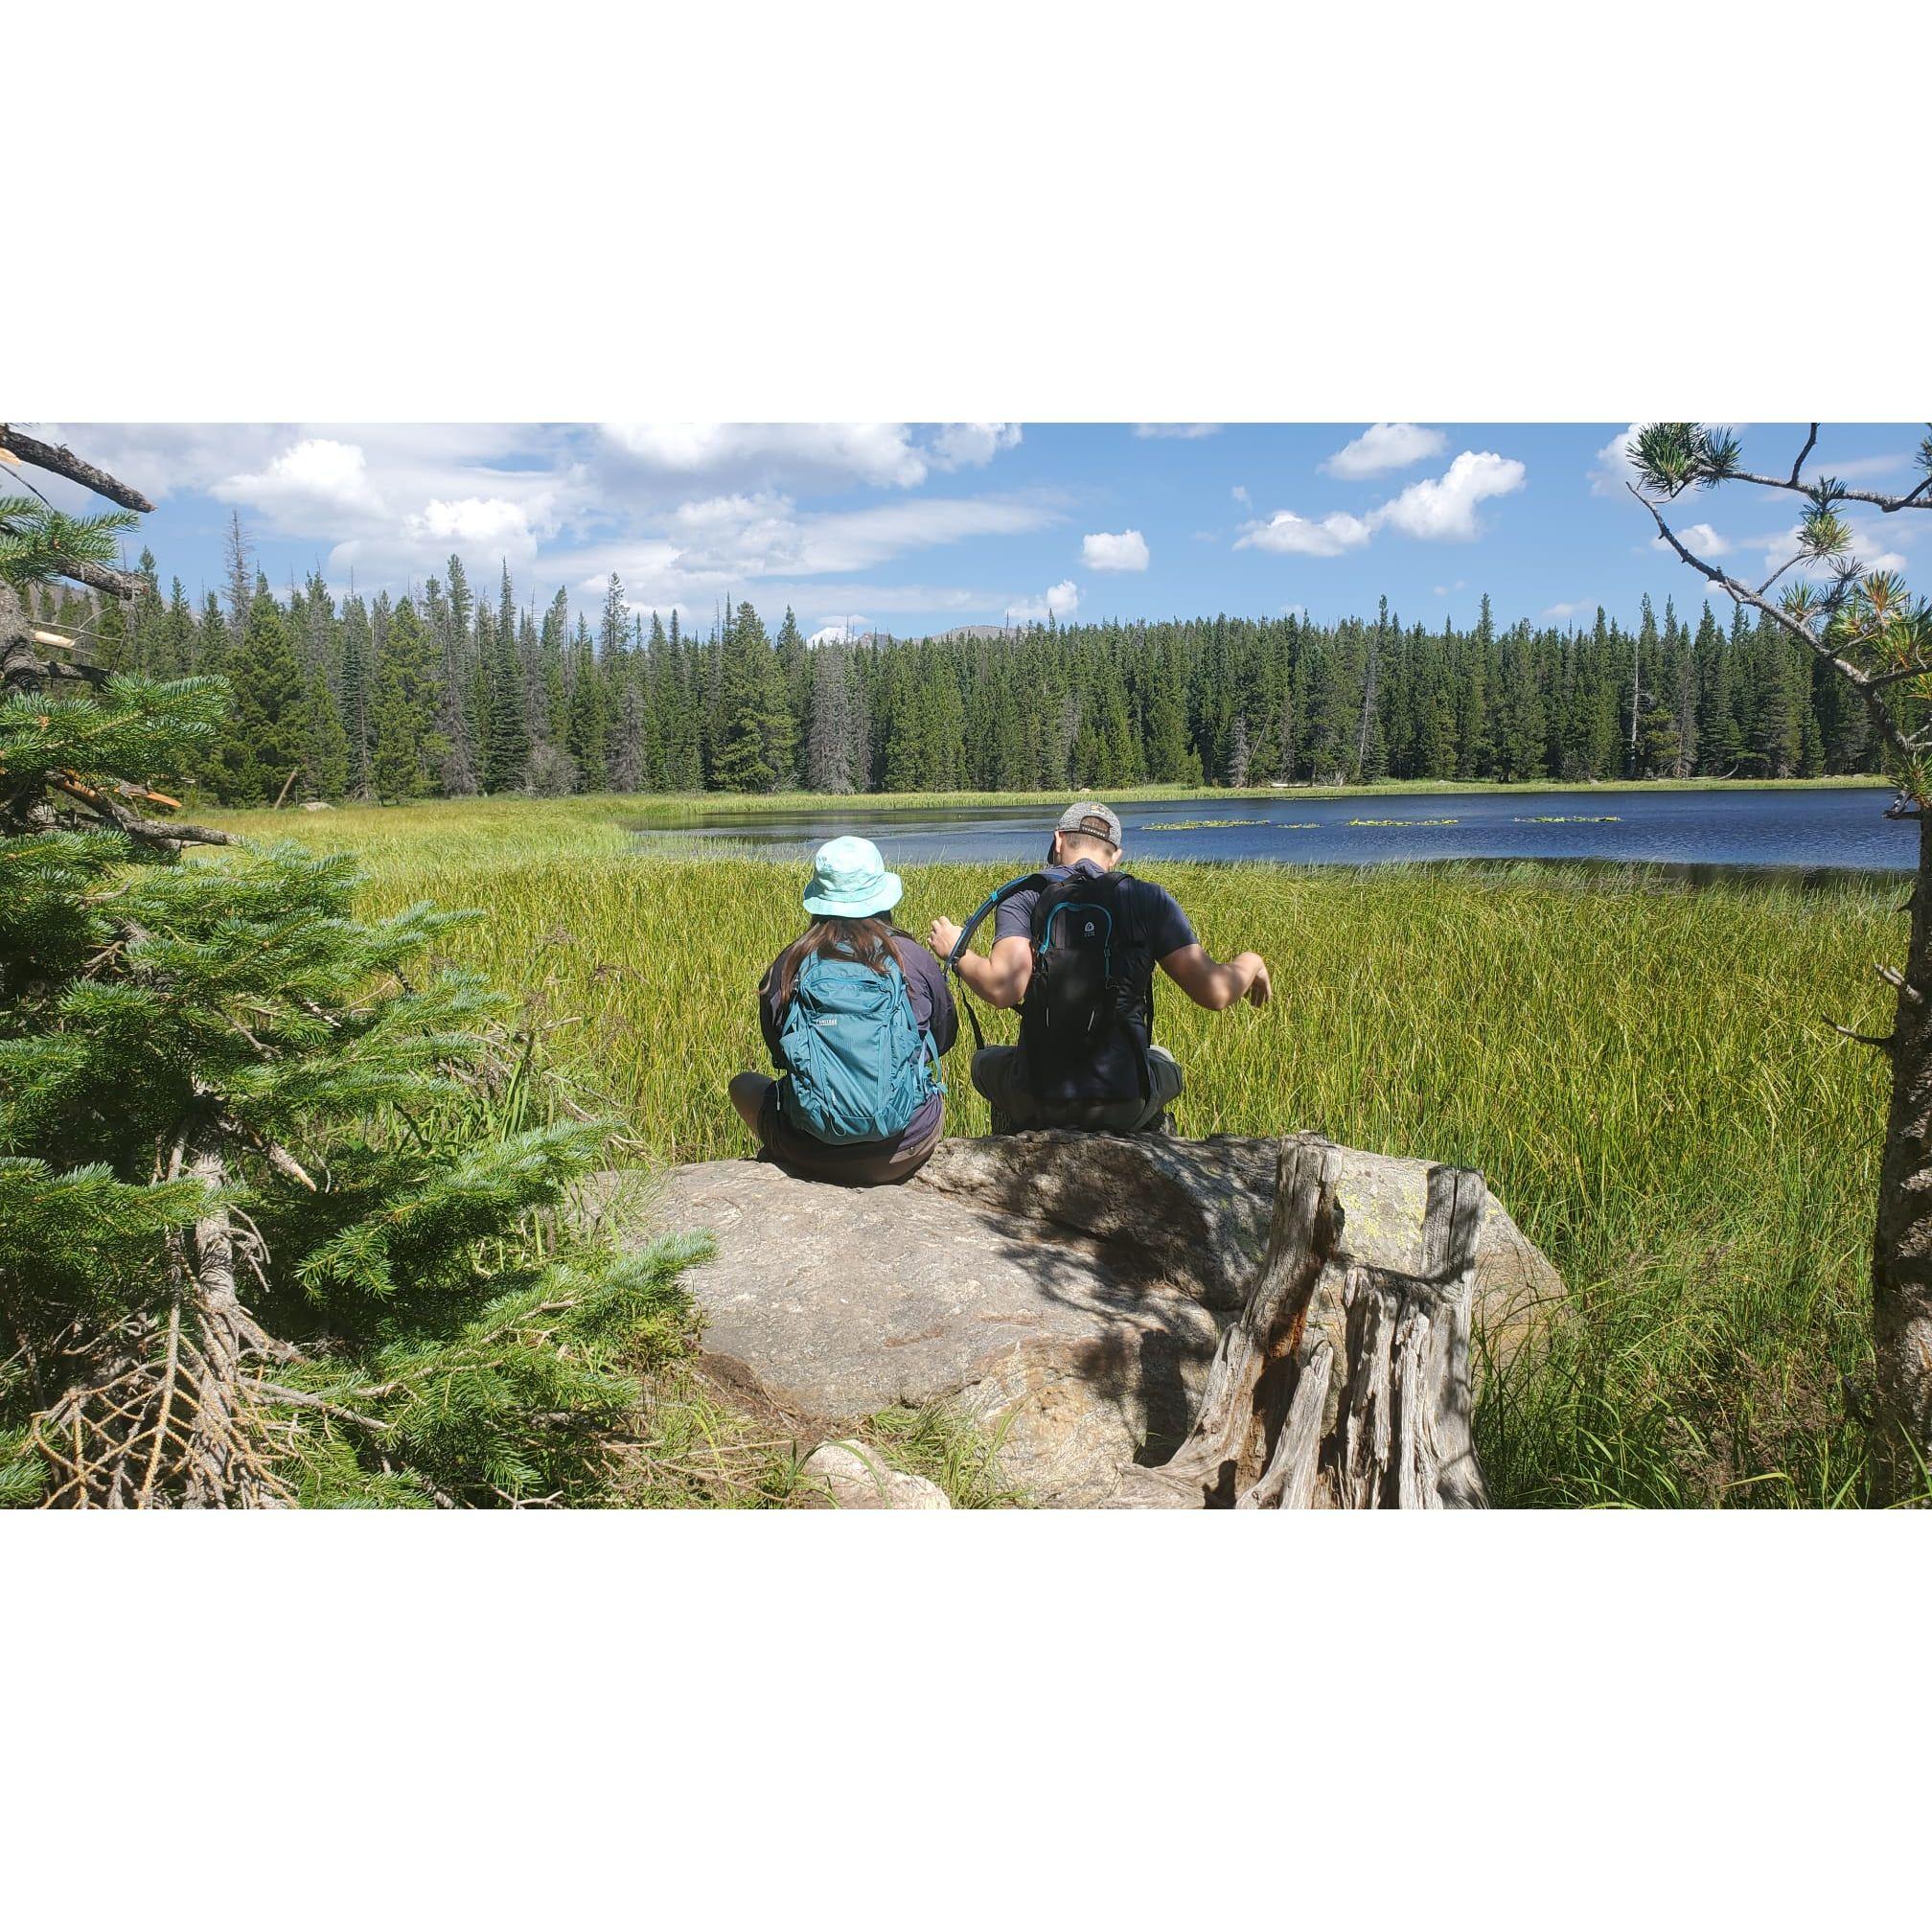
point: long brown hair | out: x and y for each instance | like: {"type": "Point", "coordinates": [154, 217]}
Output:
{"type": "Point", "coordinates": [872, 942]}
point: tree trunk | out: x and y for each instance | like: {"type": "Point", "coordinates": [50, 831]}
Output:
{"type": "Point", "coordinates": [1345, 1383]}
{"type": "Point", "coordinates": [1901, 1251]}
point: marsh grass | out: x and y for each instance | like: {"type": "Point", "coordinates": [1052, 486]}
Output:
{"type": "Point", "coordinates": [1638, 1066]}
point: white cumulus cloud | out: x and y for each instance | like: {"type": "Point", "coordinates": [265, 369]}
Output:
{"type": "Point", "coordinates": [960, 444]}
{"type": "Point", "coordinates": [1440, 509]}
{"type": "Point", "coordinates": [1059, 601]}
{"type": "Point", "coordinates": [1119, 550]}
{"type": "Point", "coordinates": [492, 524]}
{"type": "Point", "coordinates": [1613, 469]}
{"type": "Point", "coordinates": [1700, 538]}
{"type": "Point", "coordinates": [317, 473]}
{"type": "Point", "coordinates": [1443, 509]}
{"type": "Point", "coordinates": [1576, 607]}
{"type": "Point", "coordinates": [1385, 446]}
{"type": "Point", "coordinates": [770, 455]}
{"type": "Point", "coordinates": [1186, 432]}
{"type": "Point", "coordinates": [1288, 535]}
{"type": "Point", "coordinates": [880, 453]}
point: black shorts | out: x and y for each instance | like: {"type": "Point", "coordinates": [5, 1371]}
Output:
{"type": "Point", "coordinates": [855, 1166]}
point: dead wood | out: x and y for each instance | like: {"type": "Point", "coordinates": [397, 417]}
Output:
{"type": "Point", "coordinates": [1345, 1383]}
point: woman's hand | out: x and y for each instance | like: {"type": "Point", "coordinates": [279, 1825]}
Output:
{"type": "Point", "coordinates": [942, 936]}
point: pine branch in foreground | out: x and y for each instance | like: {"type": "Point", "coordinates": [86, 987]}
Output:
{"type": "Point", "coordinates": [266, 1236]}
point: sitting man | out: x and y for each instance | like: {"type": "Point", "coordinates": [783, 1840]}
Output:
{"type": "Point", "coordinates": [1074, 947]}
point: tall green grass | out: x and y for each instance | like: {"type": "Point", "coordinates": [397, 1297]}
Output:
{"type": "Point", "coordinates": [1640, 1069]}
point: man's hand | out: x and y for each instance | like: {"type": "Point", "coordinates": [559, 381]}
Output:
{"type": "Point", "coordinates": [942, 936]}
{"type": "Point", "coordinates": [1259, 988]}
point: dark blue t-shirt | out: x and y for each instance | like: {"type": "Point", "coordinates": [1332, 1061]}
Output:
{"type": "Point", "coordinates": [1116, 1073]}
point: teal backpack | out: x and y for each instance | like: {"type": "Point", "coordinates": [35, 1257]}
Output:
{"type": "Point", "coordinates": [861, 1067]}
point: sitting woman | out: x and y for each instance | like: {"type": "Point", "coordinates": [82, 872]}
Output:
{"type": "Point", "coordinates": [856, 1015]}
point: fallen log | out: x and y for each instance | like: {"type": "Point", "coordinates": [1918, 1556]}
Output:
{"type": "Point", "coordinates": [1345, 1383]}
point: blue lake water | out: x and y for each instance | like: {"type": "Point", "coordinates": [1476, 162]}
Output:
{"type": "Point", "coordinates": [1827, 828]}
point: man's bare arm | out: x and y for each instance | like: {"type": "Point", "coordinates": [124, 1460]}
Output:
{"type": "Point", "coordinates": [1210, 984]}
{"type": "Point", "coordinates": [1000, 977]}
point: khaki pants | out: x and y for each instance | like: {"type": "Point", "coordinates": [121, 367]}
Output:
{"type": "Point", "coordinates": [998, 1074]}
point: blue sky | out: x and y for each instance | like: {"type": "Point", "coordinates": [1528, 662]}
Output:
{"type": "Point", "coordinates": [913, 528]}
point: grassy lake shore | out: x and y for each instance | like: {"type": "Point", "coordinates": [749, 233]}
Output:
{"type": "Point", "coordinates": [1640, 1069]}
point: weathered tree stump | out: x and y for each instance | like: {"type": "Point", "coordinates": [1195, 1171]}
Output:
{"type": "Point", "coordinates": [1344, 1383]}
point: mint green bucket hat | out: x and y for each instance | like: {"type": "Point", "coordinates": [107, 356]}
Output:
{"type": "Point", "coordinates": [849, 880]}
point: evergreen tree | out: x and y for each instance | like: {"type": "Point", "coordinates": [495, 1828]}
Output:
{"type": "Point", "coordinates": [552, 643]}
{"type": "Point", "coordinates": [235, 1269]}
{"type": "Point", "coordinates": [507, 755]}
{"type": "Point", "coordinates": [267, 739]}
{"type": "Point", "coordinates": [355, 699]}
{"type": "Point", "coordinates": [408, 749]}
{"type": "Point", "coordinates": [1472, 680]}
{"type": "Point", "coordinates": [325, 746]}
{"type": "Point", "coordinates": [173, 653]}
{"type": "Point", "coordinates": [795, 673]}
{"type": "Point", "coordinates": [1171, 759]}
{"type": "Point", "coordinates": [831, 743]}
{"type": "Point", "coordinates": [636, 707]}
{"type": "Point", "coordinates": [1518, 738]}
{"type": "Point", "coordinates": [462, 692]}
{"type": "Point", "coordinates": [754, 728]}
{"type": "Point", "coordinates": [586, 727]}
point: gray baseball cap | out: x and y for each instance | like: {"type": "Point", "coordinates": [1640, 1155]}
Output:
{"type": "Point", "coordinates": [1093, 821]}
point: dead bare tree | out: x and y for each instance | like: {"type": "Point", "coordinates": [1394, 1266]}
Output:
{"type": "Point", "coordinates": [1866, 626]}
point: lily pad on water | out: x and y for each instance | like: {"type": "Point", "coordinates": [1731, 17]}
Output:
{"type": "Point", "coordinates": [1197, 824]}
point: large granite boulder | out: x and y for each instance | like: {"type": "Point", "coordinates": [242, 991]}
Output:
{"type": "Point", "coordinates": [1066, 1289]}
{"type": "Point", "coordinates": [1197, 1213]}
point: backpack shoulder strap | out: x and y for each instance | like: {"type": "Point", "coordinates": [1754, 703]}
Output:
{"type": "Point", "coordinates": [1026, 882]}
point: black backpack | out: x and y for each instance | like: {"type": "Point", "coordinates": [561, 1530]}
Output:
{"type": "Point", "coordinates": [1092, 978]}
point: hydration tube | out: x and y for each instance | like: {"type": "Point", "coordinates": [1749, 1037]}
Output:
{"type": "Point", "coordinates": [998, 894]}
